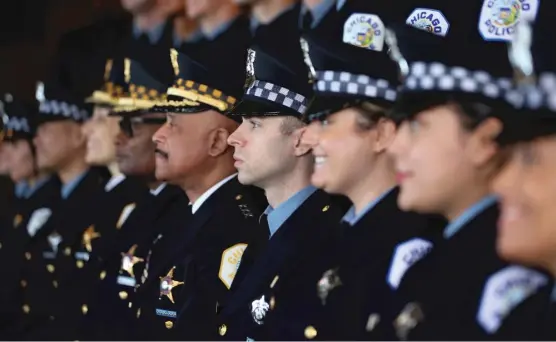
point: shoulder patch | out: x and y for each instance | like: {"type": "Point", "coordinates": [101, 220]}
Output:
{"type": "Point", "coordinates": [231, 258]}
{"type": "Point", "coordinates": [37, 220]}
{"type": "Point", "coordinates": [365, 31]}
{"type": "Point", "coordinates": [430, 20]}
{"type": "Point", "coordinates": [505, 290]}
{"type": "Point", "coordinates": [405, 255]}
{"type": "Point", "coordinates": [499, 18]}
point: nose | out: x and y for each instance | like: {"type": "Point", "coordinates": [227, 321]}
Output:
{"type": "Point", "coordinates": [311, 135]}
{"type": "Point", "coordinates": [236, 139]}
{"type": "Point", "coordinates": [86, 128]}
{"type": "Point", "coordinates": [400, 141]}
{"type": "Point", "coordinates": [121, 138]}
{"type": "Point", "coordinates": [160, 135]}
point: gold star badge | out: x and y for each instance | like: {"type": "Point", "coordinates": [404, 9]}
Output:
{"type": "Point", "coordinates": [129, 260]}
{"type": "Point", "coordinates": [167, 284]}
{"type": "Point", "coordinates": [88, 236]}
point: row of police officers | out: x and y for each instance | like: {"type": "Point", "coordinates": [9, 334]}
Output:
{"type": "Point", "coordinates": [316, 170]}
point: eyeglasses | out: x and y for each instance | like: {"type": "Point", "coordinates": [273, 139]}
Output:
{"type": "Point", "coordinates": [126, 124]}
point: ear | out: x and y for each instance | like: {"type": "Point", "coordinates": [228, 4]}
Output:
{"type": "Point", "coordinates": [386, 133]}
{"type": "Point", "coordinates": [218, 142]}
{"type": "Point", "coordinates": [301, 146]}
{"type": "Point", "coordinates": [482, 146]}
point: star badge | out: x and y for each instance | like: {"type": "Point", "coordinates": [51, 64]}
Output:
{"type": "Point", "coordinates": [167, 284]}
{"type": "Point", "coordinates": [129, 260]}
{"type": "Point", "coordinates": [88, 236]}
{"type": "Point", "coordinates": [329, 281]}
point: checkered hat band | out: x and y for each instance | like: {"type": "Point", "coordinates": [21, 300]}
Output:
{"type": "Point", "coordinates": [342, 82]}
{"type": "Point", "coordinates": [204, 89]}
{"type": "Point", "coordinates": [61, 108]}
{"type": "Point", "coordinates": [436, 76]}
{"type": "Point", "coordinates": [279, 95]}
{"type": "Point", "coordinates": [18, 125]}
{"type": "Point", "coordinates": [540, 95]}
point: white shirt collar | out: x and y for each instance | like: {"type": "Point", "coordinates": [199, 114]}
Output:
{"type": "Point", "coordinates": [158, 190]}
{"type": "Point", "coordinates": [114, 182]}
{"type": "Point", "coordinates": [197, 204]}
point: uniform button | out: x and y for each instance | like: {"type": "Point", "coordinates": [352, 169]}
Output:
{"type": "Point", "coordinates": [50, 268]}
{"type": "Point", "coordinates": [310, 332]}
{"type": "Point", "coordinates": [67, 251]}
{"type": "Point", "coordinates": [79, 263]}
{"type": "Point", "coordinates": [123, 295]}
{"type": "Point", "coordinates": [138, 312]}
{"type": "Point", "coordinates": [272, 303]}
{"type": "Point", "coordinates": [325, 209]}
{"type": "Point", "coordinates": [238, 197]}
{"type": "Point", "coordinates": [372, 322]}
{"type": "Point", "coordinates": [222, 330]}
{"type": "Point", "coordinates": [55, 284]}
{"type": "Point", "coordinates": [0, 245]}
{"type": "Point", "coordinates": [169, 324]}
{"type": "Point", "coordinates": [26, 308]}
{"type": "Point", "coordinates": [27, 255]}
{"type": "Point", "coordinates": [129, 305]}
{"type": "Point", "coordinates": [274, 281]}
{"type": "Point", "coordinates": [102, 275]}
{"type": "Point", "coordinates": [84, 309]}
{"type": "Point", "coordinates": [23, 283]}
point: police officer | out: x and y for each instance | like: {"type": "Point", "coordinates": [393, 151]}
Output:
{"type": "Point", "coordinates": [300, 221]}
{"type": "Point", "coordinates": [108, 313]}
{"type": "Point", "coordinates": [36, 192]}
{"type": "Point", "coordinates": [452, 101]}
{"type": "Point", "coordinates": [526, 219]}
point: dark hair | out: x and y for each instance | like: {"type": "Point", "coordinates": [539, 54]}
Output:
{"type": "Point", "coordinates": [369, 115]}
{"type": "Point", "coordinates": [471, 114]}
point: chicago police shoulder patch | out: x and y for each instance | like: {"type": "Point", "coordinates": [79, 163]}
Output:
{"type": "Point", "coordinates": [504, 291]}
{"type": "Point", "coordinates": [365, 31]}
{"type": "Point", "coordinates": [405, 255]}
{"type": "Point", "coordinates": [231, 258]}
{"type": "Point", "coordinates": [499, 18]}
{"type": "Point", "coordinates": [429, 20]}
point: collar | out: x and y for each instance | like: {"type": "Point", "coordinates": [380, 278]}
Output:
{"type": "Point", "coordinates": [277, 217]}
{"type": "Point", "coordinates": [321, 10]}
{"type": "Point", "coordinates": [205, 196]}
{"type": "Point", "coordinates": [37, 185]}
{"type": "Point", "coordinates": [21, 189]}
{"type": "Point", "coordinates": [470, 213]}
{"type": "Point", "coordinates": [553, 296]}
{"type": "Point", "coordinates": [219, 30]}
{"type": "Point", "coordinates": [254, 23]}
{"type": "Point", "coordinates": [194, 37]}
{"type": "Point", "coordinates": [114, 182]}
{"type": "Point", "coordinates": [351, 217]}
{"type": "Point", "coordinates": [158, 190]}
{"type": "Point", "coordinates": [68, 188]}
{"type": "Point", "coordinates": [154, 34]}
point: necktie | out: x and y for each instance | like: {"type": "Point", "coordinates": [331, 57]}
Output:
{"type": "Point", "coordinates": [144, 39]}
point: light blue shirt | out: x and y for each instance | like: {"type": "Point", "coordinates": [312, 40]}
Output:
{"type": "Point", "coordinates": [21, 189]}
{"type": "Point", "coordinates": [352, 218]}
{"type": "Point", "coordinates": [277, 217]}
{"type": "Point", "coordinates": [321, 10]}
{"type": "Point", "coordinates": [219, 30]}
{"type": "Point", "coordinates": [36, 186]}
{"type": "Point", "coordinates": [68, 188]}
{"type": "Point", "coordinates": [154, 34]}
{"type": "Point", "coordinates": [469, 214]}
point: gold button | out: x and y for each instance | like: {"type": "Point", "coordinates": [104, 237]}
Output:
{"type": "Point", "coordinates": [138, 312]}
{"type": "Point", "coordinates": [272, 303]}
{"type": "Point", "coordinates": [310, 332]}
{"type": "Point", "coordinates": [169, 324]}
{"type": "Point", "coordinates": [55, 284]}
{"type": "Point", "coordinates": [238, 197]}
{"type": "Point", "coordinates": [23, 283]}
{"type": "Point", "coordinates": [79, 263]}
{"type": "Point", "coordinates": [129, 305]}
{"type": "Point", "coordinates": [67, 251]}
{"type": "Point", "coordinates": [84, 309]}
{"type": "Point", "coordinates": [102, 275]}
{"type": "Point", "coordinates": [26, 308]}
{"type": "Point", "coordinates": [325, 209]}
{"type": "Point", "coordinates": [123, 295]}
{"type": "Point", "coordinates": [50, 268]}
{"type": "Point", "coordinates": [27, 255]}
{"type": "Point", "coordinates": [222, 330]}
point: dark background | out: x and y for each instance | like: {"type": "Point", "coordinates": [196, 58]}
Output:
{"type": "Point", "coordinates": [29, 33]}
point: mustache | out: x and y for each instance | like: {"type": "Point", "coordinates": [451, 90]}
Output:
{"type": "Point", "coordinates": [161, 153]}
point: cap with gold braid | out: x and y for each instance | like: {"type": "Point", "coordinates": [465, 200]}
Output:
{"type": "Point", "coordinates": [114, 85]}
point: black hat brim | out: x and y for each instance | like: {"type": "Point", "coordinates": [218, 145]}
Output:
{"type": "Point", "coordinates": [250, 107]}
{"type": "Point", "coordinates": [526, 126]}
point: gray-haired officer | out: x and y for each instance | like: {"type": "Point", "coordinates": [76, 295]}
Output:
{"type": "Point", "coordinates": [454, 102]}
